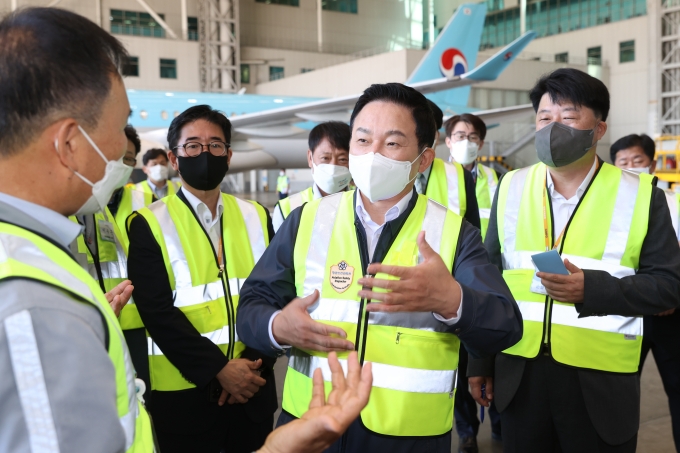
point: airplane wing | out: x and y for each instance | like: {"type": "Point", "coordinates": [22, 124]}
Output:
{"type": "Point", "coordinates": [503, 114]}
{"type": "Point", "coordinates": [280, 122]}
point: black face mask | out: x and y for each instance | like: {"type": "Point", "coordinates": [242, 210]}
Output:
{"type": "Point", "coordinates": [203, 172]}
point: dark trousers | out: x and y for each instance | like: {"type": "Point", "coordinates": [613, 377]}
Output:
{"type": "Point", "coordinates": [465, 407]}
{"type": "Point", "coordinates": [548, 414]}
{"type": "Point", "coordinates": [282, 195]}
{"type": "Point", "coordinates": [358, 439]}
{"type": "Point", "coordinates": [662, 336]}
{"type": "Point", "coordinates": [185, 422]}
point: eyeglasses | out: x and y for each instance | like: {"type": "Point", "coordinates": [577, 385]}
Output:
{"type": "Point", "coordinates": [130, 161]}
{"type": "Point", "coordinates": [194, 149]}
{"type": "Point", "coordinates": [473, 137]}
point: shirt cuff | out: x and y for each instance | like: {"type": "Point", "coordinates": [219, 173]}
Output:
{"type": "Point", "coordinates": [274, 343]}
{"type": "Point", "coordinates": [448, 322]}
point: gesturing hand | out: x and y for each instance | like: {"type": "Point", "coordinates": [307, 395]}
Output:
{"type": "Point", "coordinates": [325, 421]}
{"type": "Point", "coordinates": [294, 327]}
{"type": "Point", "coordinates": [240, 379]}
{"type": "Point", "coordinates": [565, 288]}
{"type": "Point", "coordinates": [429, 286]}
{"type": "Point", "coordinates": [476, 389]}
{"type": "Point", "coordinates": [119, 296]}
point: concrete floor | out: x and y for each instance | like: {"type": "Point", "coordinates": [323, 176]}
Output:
{"type": "Point", "coordinates": [655, 422]}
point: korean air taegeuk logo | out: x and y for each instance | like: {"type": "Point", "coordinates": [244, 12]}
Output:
{"type": "Point", "coordinates": [453, 63]}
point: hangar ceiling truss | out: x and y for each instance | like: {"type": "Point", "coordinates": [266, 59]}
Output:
{"type": "Point", "coordinates": [220, 54]}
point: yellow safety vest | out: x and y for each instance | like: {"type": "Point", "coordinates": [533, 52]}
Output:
{"type": "Point", "coordinates": [605, 232]}
{"type": "Point", "coordinates": [446, 186]}
{"type": "Point", "coordinates": [485, 188]}
{"type": "Point", "coordinates": [112, 262]}
{"type": "Point", "coordinates": [198, 286]}
{"type": "Point", "coordinates": [26, 255]}
{"type": "Point", "coordinates": [282, 183]}
{"type": "Point", "coordinates": [414, 359]}
{"type": "Point", "coordinates": [134, 198]}
{"type": "Point", "coordinates": [287, 205]}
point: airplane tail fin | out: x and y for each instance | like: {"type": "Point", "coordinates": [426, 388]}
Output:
{"type": "Point", "coordinates": [455, 50]}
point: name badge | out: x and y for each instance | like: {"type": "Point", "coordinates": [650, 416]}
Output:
{"type": "Point", "coordinates": [341, 276]}
{"type": "Point", "coordinates": [106, 231]}
{"type": "Point", "coordinates": [537, 287]}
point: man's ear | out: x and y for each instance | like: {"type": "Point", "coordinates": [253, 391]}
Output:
{"type": "Point", "coordinates": [64, 134]}
{"type": "Point", "coordinates": [173, 161]}
{"type": "Point", "coordinates": [481, 143]}
{"type": "Point", "coordinates": [652, 167]}
{"type": "Point", "coordinates": [310, 158]}
{"type": "Point", "coordinates": [229, 154]}
{"type": "Point", "coordinates": [447, 140]}
{"type": "Point", "coordinates": [600, 130]}
{"type": "Point", "coordinates": [426, 160]}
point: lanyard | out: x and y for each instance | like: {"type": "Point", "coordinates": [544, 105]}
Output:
{"type": "Point", "coordinates": [220, 259]}
{"type": "Point", "coordinates": [545, 214]}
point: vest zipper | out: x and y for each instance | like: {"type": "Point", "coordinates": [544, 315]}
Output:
{"type": "Point", "coordinates": [362, 322]}
{"type": "Point", "coordinates": [548, 299]}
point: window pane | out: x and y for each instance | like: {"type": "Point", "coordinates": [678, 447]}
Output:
{"type": "Point", "coordinates": [168, 69]}
{"type": "Point", "coordinates": [562, 57]}
{"type": "Point", "coordinates": [135, 23]}
{"type": "Point", "coordinates": [131, 67]}
{"type": "Point", "coordinates": [280, 2]}
{"type": "Point", "coordinates": [275, 73]}
{"type": "Point", "coordinates": [343, 6]}
{"type": "Point", "coordinates": [626, 51]}
{"type": "Point", "coordinates": [245, 73]}
{"type": "Point", "coordinates": [192, 23]}
{"type": "Point", "coordinates": [595, 56]}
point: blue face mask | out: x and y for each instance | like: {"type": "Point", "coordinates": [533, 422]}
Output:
{"type": "Point", "coordinates": [558, 145]}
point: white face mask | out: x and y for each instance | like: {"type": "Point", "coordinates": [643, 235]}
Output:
{"type": "Point", "coordinates": [379, 177]}
{"type": "Point", "coordinates": [330, 178]}
{"type": "Point", "coordinates": [116, 175]}
{"type": "Point", "coordinates": [464, 152]}
{"type": "Point", "coordinates": [639, 170]}
{"type": "Point", "coordinates": [159, 172]}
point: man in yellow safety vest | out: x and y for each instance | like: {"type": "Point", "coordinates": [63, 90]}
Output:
{"type": "Point", "coordinates": [313, 291]}
{"type": "Point", "coordinates": [571, 383]}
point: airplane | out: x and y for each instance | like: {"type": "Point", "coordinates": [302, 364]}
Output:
{"type": "Point", "coordinates": [271, 131]}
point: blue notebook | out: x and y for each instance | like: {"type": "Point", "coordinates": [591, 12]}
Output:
{"type": "Point", "coordinates": [549, 262]}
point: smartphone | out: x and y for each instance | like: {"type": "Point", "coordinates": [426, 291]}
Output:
{"type": "Point", "coordinates": [550, 263]}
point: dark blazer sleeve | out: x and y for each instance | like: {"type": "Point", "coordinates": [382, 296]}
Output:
{"type": "Point", "coordinates": [472, 208]}
{"type": "Point", "coordinates": [196, 357]}
{"type": "Point", "coordinates": [490, 319]}
{"type": "Point", "coordinates": [269, 288]}
{"type": "Point", "coordinates": [655, 287]}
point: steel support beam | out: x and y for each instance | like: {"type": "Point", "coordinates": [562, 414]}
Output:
{"type": "Point", "coordinates": [157, 18]}
{"type": "Point", "coordinates": [220, 52]}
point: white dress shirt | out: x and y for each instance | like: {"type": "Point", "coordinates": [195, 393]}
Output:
{"type": "Point", "coordinates": [64, 229]}
{"type": "Point", "coordinates": [210, 223]}
{"type": "Point", "coordinates": [561, 207]}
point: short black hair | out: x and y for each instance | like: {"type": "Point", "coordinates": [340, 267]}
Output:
{"type": "Point", "coordinates": [438, 114]}
{"type": "Point", "coordinates": [336, 132]}
{"type": "Point", "coordinates": [572, 85]}
{"type": "Point", "coordinates": [54, 64]}
{"type": "Point", "coordinates": [197, 112]}
{"type": "Point", "coordinates": [405, 96]}
{"type": "Point", "coordinates": [473, 120]}
{"type": "Point", "coordinates": [644, 141]}
{"type": "Point", "coordinates": [152, 154]}
{"type": "Point", "coordinates": [131, 134]}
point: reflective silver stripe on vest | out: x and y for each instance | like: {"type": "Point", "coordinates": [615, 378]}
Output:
{"type": "Point", "coordinates": [673, 208]}
{"type": "Point", "coordinates": [235, 285]}
{"type": "Point", "coordinates": [522, 260]}
{"type": "Point", "coordinates": [218, 337]}
{"type": "Point", "coordinates": [194, 295]}
{"type": "Point", "coordinates": [253, 227]}
{"type": "Point", "coordinates": [295, 201]}
{"type": "Point", "coordinates": [567, 315]}
{"type": "Point", "coordinates": [320, 242]}
{"type": "Point", "coordinates": [138, 201]}
{"type": "Point", "coordinates": [384, 376]}
{"type": "Point", "coordinates": [23, 250]}
{"type": "Point", "coordinates": [484, 213]}
{"type": "Point", "coordinates": [491, 183]}
{"type": "Point", "coordinates": [531, 311]}
{"type": "Point", "coordinates": [624, 207]}
{"type": "Point", "coordinates": [347, 310]}
{"type": "Point", "coordinates": [452, 187]}
{"type": "Point", "coordinates": [511, 213]}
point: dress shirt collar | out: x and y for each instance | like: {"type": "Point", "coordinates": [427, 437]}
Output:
{"type": "Point", "coordinates": [157, 190]}
{"type": "Point", "coordinates": [201, 209]}
{"type": "Point", "coordinates": [391, 213]}
{"type": "Point", "coordinates": [63, 230]}
{"type": "Point", "coordinates": [581, 189]}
